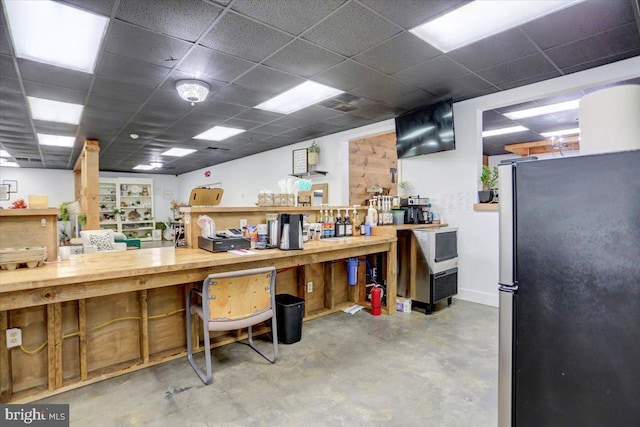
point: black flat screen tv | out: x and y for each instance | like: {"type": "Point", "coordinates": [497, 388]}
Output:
{"type": "Point", "coordinates": [426, 130]}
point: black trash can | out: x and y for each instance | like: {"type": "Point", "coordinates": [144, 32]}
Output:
{"type": "Point", "coordinates": [289, 310]}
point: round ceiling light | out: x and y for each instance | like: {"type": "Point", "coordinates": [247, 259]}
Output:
{"type": "Point", "coordinates": [192, 90]}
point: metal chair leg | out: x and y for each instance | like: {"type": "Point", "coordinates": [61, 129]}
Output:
{"type": "Point", "coordinates": [257, 350]}
{"type": "Point", "coordinates": [208, 377]}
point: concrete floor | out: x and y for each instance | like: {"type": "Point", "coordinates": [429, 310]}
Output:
{"type": "Point", "coordinates": [354, 370]}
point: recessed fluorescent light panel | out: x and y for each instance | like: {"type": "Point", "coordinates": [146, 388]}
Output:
{"type": "Point", "coordinates": [301, 96]}
{"type": "Point", "coordinates": [178, 152]}
{"type": "Point", "coordinates": [9, 164]}
{"type": "Point", "coordinates": [56, 34]}
{"type": "Point", "coordinates": [480, 19]}
{"type": "Point", "coordinates": [218, 133]}
{"type": "Point", "coordinates": [56, 140]}
{"type": "Point", "coordinates": [4, 153]}
{"type": "Point", "coordinates": [143, 167]}
{"type": "Point", "coordinates": [563, 132]}
{"type": "Point", "coordinates": [503, 131]}
{"type": "Point", "coordinates": [545, 109]}
{"type": "Point", "coordinates": [55, 111]}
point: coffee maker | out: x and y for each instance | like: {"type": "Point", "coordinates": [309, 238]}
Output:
{"type": "Point", "coordinates": [415, 209]}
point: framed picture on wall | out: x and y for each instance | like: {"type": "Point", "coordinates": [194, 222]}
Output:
{"type": "Point", "coordinates": [4, 192]}
{"type": "Point", "coordinates": [13, 185]}
{"type": "Point", "coordinates": [300, 165]}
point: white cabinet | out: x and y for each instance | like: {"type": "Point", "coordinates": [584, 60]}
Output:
{"type": "Point", "coordinates": [131, 212]}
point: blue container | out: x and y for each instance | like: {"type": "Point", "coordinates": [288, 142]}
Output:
{"type": "Point", "coordinates": [352, 271]}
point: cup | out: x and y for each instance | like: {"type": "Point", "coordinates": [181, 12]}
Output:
{"type": "Point", "coordinates": [64, 252]}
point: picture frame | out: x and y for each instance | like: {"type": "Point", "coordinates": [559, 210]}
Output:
{"type": "Point", "coordinates": [4, 192]}
{"type": "Point", "coordinates": [13, 185]}
{"type": "Point", "coordinates": [300, 165]}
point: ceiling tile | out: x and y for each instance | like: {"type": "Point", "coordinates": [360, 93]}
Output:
{"type": "Point", "coordinates": [374, 110]}
{"type": "Point", "coordinates": [7, 69]}
{"type": "Point", "coordinates": [402, 51]}
{"type": "Point", "coordinates": [216, 65]}
{"type": "Point", "coordinates": [292, 16]}
{"type": "Point", "coordinates": [55, 128]}
{"type": "Point", "coordinates": [241, 37]}
{"type": "Point", "coordinates": [336, 32]}
{"type": "Point", "coordinates": [116, 67]}
{"type": "Point", "coordinates": [303, 58]}
{"type": "Point", "coordinates": [601, 61]}
{"type": "Point", "coordinates": [411, 100]}
{"type": "Point", "coordinates": [314, 113]}
{"type": "Point", "coordinates": [240, 95]}
{"type": "Point", "coordinates": [348, 75]}
{"type": "Point", "coordinates": [517, 70]}
{"type": "Point", "coordinates": [601, 45]}
{"type": "Point", "coordinates": [8, 84]}
{"type": "Point", "coordinates": [494, 50]}
{"type": "Point", "coordinates": [186, 20]}
{"type": "Point", "coordinates": [530, 80]}
{"type": "Point", "coordinates": [5, 44]}
{"type": "Point", "coordinates": [291, 122]}
{"type": "Point", "coordinates": [120, 90]}
{"type": "Point", "coordinates": [268, 80]}
{"type": "Point", "coordinates": [579, 21]}
{"type": "Point", "coordinates": [261, 116]}
{"type": "Point", "coordinates": [379, 92]}
{"type": "Point", "coordinates": [412, 12]}
{"type": "Point", "coordinates": [432, 72]}
{"type": "Point", "coordinates": [346, 120]}
{"type": "Point", "coordinates": [13, 100]}
{"type": "Point", "coordinates": [460, 87]}
{"type": "Point", "coordinates": [219, 109]}
{"type": "Point", "coordinates": [52, 75]}
{"type": "Point", "coordinates": [55, 93]}
{"type": "Point", "coordinates": [240, 124]}
{"type": "Point", "coordinates": [270, 129]}
{"type": "Point", "coordinates": [134, 42]}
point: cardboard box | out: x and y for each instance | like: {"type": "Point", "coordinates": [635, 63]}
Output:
{"type": "Point", "coordinates": [403, 305]}
{"type": "Point", "coordinates": [205, 196]}
{"type": "Point", "coordinates": [38, 201]}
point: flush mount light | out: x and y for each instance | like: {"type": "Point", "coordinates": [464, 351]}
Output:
{"type": "Point", "coordinates": [192, 90]}
{"type": "Point", "coordinates": [218, 133]}
{"type": "Point", "coordinates": [134, 136]}
{"type": "Point", "coordinates": [9, 164]}
{"type": "Point", "coordinates": [56, 140]}
{"type": "Point", "coordinates": [53, 33]}
{"type": "Point", "coordinates": [503, 131]}
{"type": "Point", "coordinates": [563, 132]}
{"type": "Point", "coordinates": [178, 152]}
{"type": "Point", "coordinates": [545, 109]}
{"type": "Point", "coordinates": [55, 111]}
{"type": "Point", "coordinates": [480, 19]}
{"type": "Point", "coordinates": [143, 167]}
{"type": "Point", "coordinates": [301, 96]}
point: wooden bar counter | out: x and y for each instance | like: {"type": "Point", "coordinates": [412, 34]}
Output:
{"type": "Point", "coordinates": [100, 315]}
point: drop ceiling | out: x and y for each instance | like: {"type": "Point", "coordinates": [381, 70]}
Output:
{"type": "Point", "coordinates": [248, 51]}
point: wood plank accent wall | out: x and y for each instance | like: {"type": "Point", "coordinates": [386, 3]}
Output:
{"type": "Point", "coordinates": [370, 162]}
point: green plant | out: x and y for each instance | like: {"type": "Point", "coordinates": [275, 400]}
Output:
{"type": "Point", "coordinates": [405, 185]}
{"type": "Point", "coordinates": [161, 226]}
{"type": "Point", "coordinates": [314, 148]}
{"type": "Point", "coordinates": [82, 219]}
{"type": "Point", "coordinates": [489, 177]}
{"type": "Point", "coordinates": [117, 211]}
{"type": "Point", "coordinates": [63, 213]}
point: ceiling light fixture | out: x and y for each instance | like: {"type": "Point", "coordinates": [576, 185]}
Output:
{"type": "Point", "coordinates": [9, 164]}
{"type": "Point", "coordinates": [563, 132]}
{"type": "Point", "coordinates": [192, 90]}
{"type": "Point", "coordinates": [155, 165]}
{"type": "Point", "coordinates": [301, 96]}
{"type": "Point", "coordinates": [218, 133]}
{"type": "Point", "coordinates": [134, 136]}
{"type": "Point", "coordinates": [545, 109]}
{"type": "Point", "coordinates": [4, 153]}
{"type": "Point", "coordinates": [503, 131]}
{"type": "Point", "coordinates": [55, 33]}
{"type": "Point", "coordinates": [55, 111]}
{"type": "Point", "coordinates": [143, 167]}
{"type": "Point", "coordinates": [178, 152]}
{"type": "Point", "coordinates": [56, 140]}
{"type": "Point", "coordinates": [480, 19]}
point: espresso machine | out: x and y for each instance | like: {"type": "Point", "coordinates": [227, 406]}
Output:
{"type": "Point", "coordinates": [416, 209]}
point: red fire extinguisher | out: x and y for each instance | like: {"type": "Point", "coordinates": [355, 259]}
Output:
{"type": "Point", "coordinates": [376, 301]}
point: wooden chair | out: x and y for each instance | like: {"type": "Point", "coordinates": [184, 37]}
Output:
{"type": "Point", "coordinates": [233, 300]}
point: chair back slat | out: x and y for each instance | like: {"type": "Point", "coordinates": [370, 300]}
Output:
{"type": "Point", "coordinates": [238, 297]}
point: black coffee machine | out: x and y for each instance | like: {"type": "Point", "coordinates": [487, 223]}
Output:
{"type": "Point", "coordinates": [415, 209]}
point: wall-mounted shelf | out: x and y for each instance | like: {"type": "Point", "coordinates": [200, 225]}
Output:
{"type": "Point", "coordinates": [314, 172]}
{"type": "Point", "coordinates": [487, 207]}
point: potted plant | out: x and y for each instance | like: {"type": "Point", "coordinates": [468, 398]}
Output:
{"type": "Point", "coordinates": [117, 213]}
{"type": "Point", "coordinates": [313, 154]}
{"type": "Point", "coordinates": [405, 188]}
{"type": "Point", "coordinates": [489, 177]}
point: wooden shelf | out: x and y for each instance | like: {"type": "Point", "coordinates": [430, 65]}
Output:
{"type": "Point", "coordinates": [486, 207]}
{"type": "Point", "coordinates": [300, 175]}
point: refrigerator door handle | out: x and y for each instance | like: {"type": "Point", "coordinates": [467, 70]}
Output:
{"type": "Point", "coordinates": [506, 242]}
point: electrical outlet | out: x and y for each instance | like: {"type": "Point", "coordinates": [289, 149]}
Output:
{"type": "Point", "coordinates": [14, 337]}
{"type": "Point", "coordinates": [309, 287]}
{"type": "Point", "coordinates": [374, 271]}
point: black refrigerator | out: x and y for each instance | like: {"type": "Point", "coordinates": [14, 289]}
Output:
{"type": "Point", "coordinates": [569, 282]}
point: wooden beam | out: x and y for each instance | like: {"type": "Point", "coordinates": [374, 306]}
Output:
{"type": "Point", "coordinates": [144, 326]}
{"type": "Point", "coordinates": [54, 345]}
{"type": "Point", "coordinates": [87, 172]}
{"type": "Point", "coordinates": [5, 359]}
{"type": "Point", "coordinates": [82, 328]}
{"type": "Point", "coordinates": [541, 147]}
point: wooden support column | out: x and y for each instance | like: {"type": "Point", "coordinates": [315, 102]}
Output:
{"type": "Point", "coordinates": [329, 282]}
{"type": "Point", "coordinates": [144, 326]}
{"type": "Point", "coordinates": [392, 278]}
{"type": "Point", "coordinates": [82, 330]}
{"type": "Point", "coordinates": [54, 345]}
{"type": "Point", "coordinates": [413, 265]}
{"type": "Point", "coordinates": [86, 171]}
{"type": "Point", "coordinates": [302, 284]}
{"type": "Point", "coordinates": [5, 359]}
